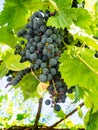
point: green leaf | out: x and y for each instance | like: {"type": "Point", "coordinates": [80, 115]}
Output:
{"type": "Point", "coordinates": [1, 98]}
{"type": "Point", "coordinates": [89, 41]}
{"type": "Point", "coordinates": [81, 18]}
{"type": "Point", "coordinates": [60, 20]}
{"type": "Point", "coordinates": [1, 124]}
{"type": "Point", "coordinates": [79, 92]}
{"type": "Point", "coordinates": [20, 117]}
{"type": "Point", "coordinates": [80, 67]}
{"type": "Point", "coordinates": [7, 37]}
{"type": "Point", "coordinates": [3, 70]}
{"type": "Point", "coordinates": [60, 114]}
{"type": "Point", "coordinates": [28, 85]}
{"type": "Point", "coordinates": [80, 113]}
{"type": "Point", "coordinates": [13, 63]}
{"type": "Point", "coordinates": [61, 5]}
{"type": "Point", "coordinates": [92, 124]}
{"type": "Point", "coordinates": [14, 13]}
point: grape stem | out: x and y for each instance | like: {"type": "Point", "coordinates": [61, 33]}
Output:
{"type": "Point", "coordinates": [35, 75]}
{"type": "Point", "coordinates": [54, 86]}
{"type": "Point", "coordinates": [66, 116]}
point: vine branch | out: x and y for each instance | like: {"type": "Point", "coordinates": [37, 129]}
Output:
{"type": "Point", "coordinates": [72, 112]}
{"type": "Point", "coordinates": [38, 114]}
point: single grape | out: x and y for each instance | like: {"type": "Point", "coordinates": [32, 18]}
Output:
{"type": "Point", "coordinates": [43, 65]}
{"type": "Point", "coordinates": [49, 77]}
{"type": "Point", "coordinates": [45, 71]}
{"type": "Point", "coordinates": [28, 55]}
{"type": "Point", "coordinates": [9, 79]}
{"type": "Point", "coordinates": [52, 62]}
{"type": "Point", "coordinates": [63, 98]}
{"type": "Point", "coordinates": [44, 58]}
{"type": "Point", "coordinates": [43, 78]}
{"type": "Point", "coordinates": [22, 42]}
{"type": "Point", "coordinates": [33, 56]}
{"type": "Point", "coordinates": [38, 61]}
{"type": "Point", "coordinates": [43, 28]}
{"type": "Point", "coordinates": [49, 40]}
{"type": "Point", "coordinates": [45, 51]}
{"type": "Point", "coordinates": [43, 41]}
{"type": "Point", "coordinates": [21, 32]}
{"type": "Point", "coordinates": [18, 47]}
{"type": "Point", "coordinates": [48, 32]}
{"type": "Point", "coordinates": [37, 39]}
{"type": "Point", "coordinates": [31, 40]}
{"type": "Point", "coordinates": [57, 107]}
{"type": "Point", "coordinates": [53, 71]}
{"type": "Point", "coordinates": [32, 49]}
{"type": "Point", "coordinates": [54, 36]}
{"type": "Point", "coordinates": [47, 102]}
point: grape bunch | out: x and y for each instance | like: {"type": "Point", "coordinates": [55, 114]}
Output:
{"type": "Point", "coordinates": [43, 48]}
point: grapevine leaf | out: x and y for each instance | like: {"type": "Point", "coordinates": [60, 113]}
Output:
{"type": "Point", "coordinates": [92, 124]}
{"type": "Point", "coordinates": [60, 20]}
{"type": "Point", "coordinates": [81, 70]}
{"type": "Point", "coordinates": [61, 5]}
{"type": "Point", "coordinates": [28, 85]}
{"type": "Point", "coordinates": [3, 70]}
{"type": "Point", "coordinates": [7, 37]}
{"type": "Point", "coordinates": [80, 18]}
{"type": "Point", "coordinates": [80, 66]}
{"type": "Point", "coordinates": [13, 63]}
{"type": "Point", "coordinates": [78, 94]}
{"type": "Point", "coordinates": [89, 41]}
{"type": "Point", "coordinates": [60, 114]}
{"type": "Point", "coordinates": [14, 14]}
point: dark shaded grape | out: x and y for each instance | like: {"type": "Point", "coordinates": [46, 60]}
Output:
{"type": "Point", "coordinates": [38, 61]}
{"type": "Point", "coordinates": [57, 107]}
{"type": "Point", "coordinates": [63, 98]}
{"type": "Point", "coordinates": [45, 51]}
{"type": "Point", "coordinates": [53, 71]}
{"type": "Point", "coordinates": [37, 39]}
{"type": "Point", "coordinates": [49, 40]}
{"type": "Point", "coordinates": [48, 32]}
{"type": "Point", "coordinates": [96, 54]}
{"type": "Point", "coordinates": [21, 32]}
{"type": "Point", "coordinates": [22, 42]}
{"type": "Point", "coordinates": [47, 102]}
{"type": "Point", "coordinates": [43, 28]}
{"type": "Point", "coordinates": [32, 49]}
{"type": "Point", "coordinates": [49, 77]}
{"type": "Point", "coordinates": [9, 79]}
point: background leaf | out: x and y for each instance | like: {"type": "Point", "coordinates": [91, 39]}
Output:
{"type": "Point", "coordinates": [28, 85]}
{"type": "Point", "coordinates": [13, 63]}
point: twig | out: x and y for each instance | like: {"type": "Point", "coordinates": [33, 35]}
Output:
{"type": "Point", "coordinates": [38, 114]}
{"type": "Point", "coordinates": [54, 86]}
{"type": "Point", "coordinates": [35, 75]}
{"type": "Point", "coordinates": [55, 124]}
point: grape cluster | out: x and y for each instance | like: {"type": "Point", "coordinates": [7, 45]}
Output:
{"type": "Point", "coordinates": [43, 48]}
